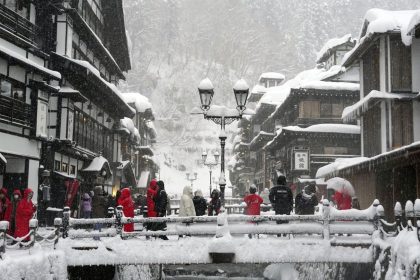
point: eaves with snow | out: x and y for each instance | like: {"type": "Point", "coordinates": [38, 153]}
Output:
{"type": "Point", "coordinates": [377, 22]}
{"type": "Point", "coordinates": [141, 103]}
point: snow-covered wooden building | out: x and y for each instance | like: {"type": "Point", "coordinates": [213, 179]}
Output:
{"type": "Point", "coordinates": [60, 108]}
{"type": "Point", "coordinates": [26, 86]}
{"type": "Point", "coordinates": [388, 54]}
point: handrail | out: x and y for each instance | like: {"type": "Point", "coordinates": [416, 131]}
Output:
{"type": "Point", "coordinates": [17, 24]}
{"type": "Point", "coordinates": [16, 112]}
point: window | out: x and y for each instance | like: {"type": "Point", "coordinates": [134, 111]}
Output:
{"type": "Point", "coordinates": [309, 109]}
{"type": "Point", "coordinates": [400, 65]}
{"type": "Point", "coordinates": [18, 6]}
{"type": "Point", "coordinates": [402, 124]}
{"type": "Point", "coordinates": [64, 167]}
{"type": "Point", "coordinates": [335, 150]}
{"type": "Point", "coordinates": [72, 169]}
{"type": "Point", "coordinates": [6, 88]}
{"type": "Point", "coordinates": [57, 165]}
{"type": "Point", "coordinates": [372, 132]}
{"type": "Point", "coordinates": [331, 110]}
{"type": "Point", "coordinates": [371, 69]}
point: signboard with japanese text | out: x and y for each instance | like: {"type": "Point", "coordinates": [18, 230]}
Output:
{"type": "Point", "coordinates": [301, 160]}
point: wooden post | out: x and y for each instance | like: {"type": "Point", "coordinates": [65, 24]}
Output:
{"type": "Point", "coordinates": [33, 225]}
{"type": "Point", "coordinates": [118, 216]}
{"type": "Point", "coordinates": [58, 223]}
{"type": "Point", "coordinates": [398, 216]}
{"type": "Point", "coordinates": [66, 221]}
{"type": "Point", "coordinates": [326, 219]}
{"type": "Point", "coordinates": [409, 214]}
{"type": "Point", "coordinates": [4, 226]}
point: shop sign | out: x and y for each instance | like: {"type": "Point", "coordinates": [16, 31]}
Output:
{"type": "Point", "coordinates": [301, 160]}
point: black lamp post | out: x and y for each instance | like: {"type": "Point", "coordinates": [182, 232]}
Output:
{"type": "Point", "coordinates": [223, 116]}
{"type": "Point", "coordinates": [210, 164]}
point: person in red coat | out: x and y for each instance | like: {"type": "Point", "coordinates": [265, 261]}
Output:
{"type": "Point", "coordinates": [5, 206]}
{"type": "Point", "coordinates": [342, 200]}
{"type": "Point", "coordinates": [24, 212]}
{"type": "Point", "coordinates": [253, 202]}
{"type": "Point", "coordinates": [151, 195]}
{"type": "Point", "coordinates": [127, 203]}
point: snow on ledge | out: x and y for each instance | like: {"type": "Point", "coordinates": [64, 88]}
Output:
{"type": "Point", "coordinates": [337, 165]}
{"type": "Point", "coordinates": [322, 85]}
{"type": "Point", "coordinates": [272, 75]}
{"type": "Point", "coordinates": [353, 111]}
{"type": "Point", "coordinates": [3, 159]}
{"type": "Point", "coordinates": [258, 89]}
{"type": "Point", "coordinates": [327, 128]}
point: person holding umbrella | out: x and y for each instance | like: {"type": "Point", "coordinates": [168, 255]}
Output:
{"type": "Point", "coordinates": [343, 192]}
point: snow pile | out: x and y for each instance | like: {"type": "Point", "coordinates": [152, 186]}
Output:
{"type": "Point", "coordinates": [283, 271]}
{"type": "Point", "coordinates": [127, 126]}
{"type": "Point", "coordinates": [241, 85]}
{"type": "Point", "coordinates": [36, 264]}
{"type": "Point", "coordinates": [97, 164]}
{"type": "Point", "coordinates": [353, 111]}
{"type": "Point", "coordinates": [206, 84]}
{"type": "Point", "coordinates": [405, 256]}
{"type": "Point", "coordinates": [140, 101]}
{"type": "Point", "coordinates": [272, 75]}
{"type": "Point", "coordinates": [326, 128]}
{"type": "Point", "coordinates": [331, 45]}
{"type": "Point", "coordinates": [258, 89]}
{"type": "Point", "coordinates": [339, 164]}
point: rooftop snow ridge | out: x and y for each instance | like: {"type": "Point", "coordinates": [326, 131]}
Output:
{"type": "Point", "coordinates": [272, 75]}
{"type": "Point", "coordinates": [331, 45]}
{"type": "Point", "coordinates": [330, 85]}
{"type": "Point", "coordinates": [382, 21]}
{"type": "Point", "coordinates": [326, 128]}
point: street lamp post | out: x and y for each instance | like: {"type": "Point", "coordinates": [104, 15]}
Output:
{"type": "Point", "coordinates": [223, 116]}
{"type": "Point", "coordinates": [191, 178]}
{"type": "Point", "coordinates": [210, 164]}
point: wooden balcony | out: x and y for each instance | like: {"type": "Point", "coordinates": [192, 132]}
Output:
{"type": "Point", "coordinates": [18, 25]}
{"type": "Point", "coordinates": [16, 112]}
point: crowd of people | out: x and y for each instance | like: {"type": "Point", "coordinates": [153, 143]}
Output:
{"type": "Point", "coordinates": [19, 209]}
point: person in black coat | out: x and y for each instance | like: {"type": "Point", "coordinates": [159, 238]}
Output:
{"type": "Point", "coordinates": [215, 203]}
{"type": "Point", "coordinates": [200, 203]}
{"type": "Point", "coordinates": [281, 197]}
{"type": "Point", "coordinates": [306, 200]}
{"type": "Point", "coordinates": [161, 200]}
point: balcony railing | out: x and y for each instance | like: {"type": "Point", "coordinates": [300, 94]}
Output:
{"type": "Point", "coordinates": [17, 24]}
{"type": "Point", "coordinates": [16, 112]}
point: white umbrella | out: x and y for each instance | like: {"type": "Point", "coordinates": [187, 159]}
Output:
{"type": "Point", "coordinates": [340, 185]}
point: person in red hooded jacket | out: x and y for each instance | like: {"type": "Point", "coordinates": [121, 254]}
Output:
{"type": "Point", "coordinates": [127, 203]}
{"type": "Point", "coordinates": [5, 206]}
{"type": "Point", "coordinates": [342, 200]}
{"type": "Point", "coordinates": [151, 195]}
{"type": "Point", "coordinates": [24, 212]}
{"type": "Point", "coordinates": [253, 202]}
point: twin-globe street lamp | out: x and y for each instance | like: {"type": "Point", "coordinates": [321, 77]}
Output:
{"type": "Point", "coordinates": [210, 164]}
{"type": "Point", "coordinates": [223, 116]}
{"type": "Point", "coordinates": [191, 178]}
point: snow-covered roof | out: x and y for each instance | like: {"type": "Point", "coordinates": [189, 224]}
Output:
{"type": "Point", "coordinates": [378, 21]}
{"type": "Point", "coordinates": [96, 72]}
{"type": "Point", "coordinates": [272, 75]}
{"type": "Point", "coordinates": [337, 165]}
{"type": "Point", "coordinates": [352, 112]}
{"type": "Point", "coordinates": [330, 85]}
{"type": "Point", "coordinates": [382, 21]}
{"type": "Point", "coordinates": [140, 101]}
{"type": "Point", "coordinates": [97, 164]}
{"type": "Point", "coordinates": [258, 89]}
{"type": "Point", "coordinates": [3, 49]}
{"type": "Point", "coordinates": [331, 45]}
{"type": "Point", "coordinates": [326, 128]}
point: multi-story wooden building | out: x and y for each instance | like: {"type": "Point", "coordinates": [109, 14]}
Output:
{"type": "Point", "coordinates": [25, 82]}
{"type": "Point", "coordinates": [389, 61]}
{"type": "Point", "coordinates": [60, 108]}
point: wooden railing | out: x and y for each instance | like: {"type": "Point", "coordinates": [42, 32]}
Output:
{"type": "Point", "coordinates": [16, 112]}
{"type": "Point", "coordinates": [17, 24]}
